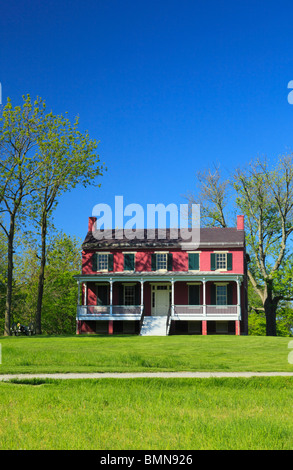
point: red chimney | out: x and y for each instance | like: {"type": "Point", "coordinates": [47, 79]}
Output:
{"type": "Point", "coordinates": [92, 221]}
{"type": "Point", "coordinates": [240, 222]}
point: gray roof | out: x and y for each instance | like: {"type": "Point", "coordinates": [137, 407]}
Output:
{"type": "Point", "coordinates": [208, 238]}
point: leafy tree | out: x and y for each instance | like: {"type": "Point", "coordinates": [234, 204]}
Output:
{"type": "Point", "coordinates": [19, 165]}
{"type": "Point", "coordinates": [60, 289]}
{"type": "Point", "coordinates": [265, 197]}
{"type": "Point", "coordinates": [69, 158]}
{"type": "Point", "coordinates": [41, 157]}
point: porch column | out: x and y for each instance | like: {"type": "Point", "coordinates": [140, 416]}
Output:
{"type": "Point", "coordinates": [141, 296]}
{"type": "Point", "coordinates": [204, 307]}
{"type": "Point", "coordinates": [237, 322]}
{"type": "Point", "coordinates": [85, 294]}
{"type": "Point", "coordinates": [172, 297]}
{"type": "Point", "coordinates": [238, 300]}
{"type": "Point", "coordinates": [78, 296]}
{"type": "Point", "coordinates": [110, 325]}
{"type": "Point", "coordinates": [204, 298]}
{"type": "Point", "coordinates": [111, 296]}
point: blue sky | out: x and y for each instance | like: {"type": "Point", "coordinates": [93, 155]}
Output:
{"type": "Point", "coordinates": [168, 87]}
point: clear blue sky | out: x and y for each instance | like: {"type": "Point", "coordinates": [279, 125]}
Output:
{"type": "Point", "coordinates": [167, 86]}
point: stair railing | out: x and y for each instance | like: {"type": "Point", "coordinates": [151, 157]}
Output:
{"type": "Point", "coordinates": [141, 319]}
{"type": "Point", "coordinates": [168, 324]}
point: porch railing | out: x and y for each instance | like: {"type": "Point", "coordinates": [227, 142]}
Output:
{"type": "Point", "coordinates": [92, 312]}
{"type": "Point", "coordinates": [208, 311]}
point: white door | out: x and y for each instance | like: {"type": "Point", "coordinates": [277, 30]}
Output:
{"type": "Point", "coordinates": [161, 302]}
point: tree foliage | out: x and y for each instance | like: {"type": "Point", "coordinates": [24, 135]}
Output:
{"type": "Point", "coordinates": [264, 194]}
{"type": "Point", "coordinates": [42, 155]}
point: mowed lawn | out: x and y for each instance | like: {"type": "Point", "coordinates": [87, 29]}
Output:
{"type": "Point", "coordinates": [148, 414]}
{"type": "Point", "coordinates": [45, 354]}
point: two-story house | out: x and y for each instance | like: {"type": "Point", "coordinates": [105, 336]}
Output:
{"type": "Point", "coordinates": [149, 285]}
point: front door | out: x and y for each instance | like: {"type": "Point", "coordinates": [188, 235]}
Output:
{"type": "Point", "coordinates": [161, 300]}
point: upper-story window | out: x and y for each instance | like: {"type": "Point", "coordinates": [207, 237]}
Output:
{"type": "Point", "coordinates": [221, 261]}
{"type": "Point", "coordinates": [162, 262]}
{"type": "Point", "coordinates": [102, 262]}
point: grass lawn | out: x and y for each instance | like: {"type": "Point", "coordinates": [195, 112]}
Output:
{"type": "Point", "coordinates": [148, 414]}
{"type": "Point", "coordinates": [45, 354]}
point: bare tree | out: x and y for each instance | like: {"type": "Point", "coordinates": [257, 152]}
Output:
{"type": "Point", "coordinates": [265, 196]}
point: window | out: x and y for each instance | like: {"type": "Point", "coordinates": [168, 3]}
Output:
{"type": "Point", "coordinates": [161, 261]}
{"type": "Point", "coordinates": [129, 295]}
{"type": "Point", "coordinates": [221, 261]}
{"type": "Point", "coordinates": [102, 262]}
{"type": "Point", "coordinates": [221, 295]}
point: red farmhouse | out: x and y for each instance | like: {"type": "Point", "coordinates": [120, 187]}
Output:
{"type": "Point", "coordinates": [153, 286]}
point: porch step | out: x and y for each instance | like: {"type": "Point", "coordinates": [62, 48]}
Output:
{"type": "Point", "coordinates": [154, 326]}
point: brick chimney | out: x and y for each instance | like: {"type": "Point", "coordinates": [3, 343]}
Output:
{"type": "Point", "coordinates": [92, 221]}
{"type": "Point", "coordinates": [240, 222]}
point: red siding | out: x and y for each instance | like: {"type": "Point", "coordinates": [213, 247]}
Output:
{"type": "Point", "coordinates": [180, 261]}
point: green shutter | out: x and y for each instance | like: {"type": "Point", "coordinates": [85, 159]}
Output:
{"type": "Point", "coordinates": [229, 262]}
{"type": "Point", "coordinates": [129, 262]}
{"type": "Point", "coordinates": [110, 262]}
{"type": "Point", "coordinates": [213, 294]}
{"type": "Point", "coordinates": [137, 294]}
{"type": "Point", "coordinates": [229, 294]}
{"type": "Point", "coordinates": [193, 261]}
{"type": "Point", "coordinates": [170, 262]}
{"type": "Point", "coordinates": [213, 261]}
{"type": "Point", "coordinates": [154, 262]}
{"type": "Point", "coordinates": [95, 262]}
{"type": "Point", "coordinates": [120, 294]}
{"type": "Point", "coordinates": [193, 295]}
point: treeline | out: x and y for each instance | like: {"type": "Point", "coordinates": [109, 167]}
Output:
{"type": "Point", "coordinates": [42, 156]}
{"type": "Point", "coordinates": [59, 298]}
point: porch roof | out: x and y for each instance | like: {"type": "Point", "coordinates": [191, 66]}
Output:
{"type": "Point", "coordinates": [159, 276]}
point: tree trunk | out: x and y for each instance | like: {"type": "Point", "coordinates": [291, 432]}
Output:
{"type": "Point", "coordinates": [270, 307]}
{"type": "Point", "coordinates": [38, 315]}
{"type": "Point", "coordinates": [9, 278]}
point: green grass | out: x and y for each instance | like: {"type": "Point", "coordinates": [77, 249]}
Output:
{"type": "Point", "coordinates": [135, 353]}
{"type": "Point", "coordinates": [152, 414]}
